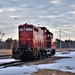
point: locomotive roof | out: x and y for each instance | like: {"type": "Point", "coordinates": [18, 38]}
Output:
{"type": "Point", "coordinates": [25, 25]}
{"type": "Point", "coordinates": [49, 32]}
{"type": "Point", "coordinates": [30, 25]}
{"type": "Point", "coordinates": [44, 28]}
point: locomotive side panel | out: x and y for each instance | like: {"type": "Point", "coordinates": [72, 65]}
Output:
{"type": "Point", "coordinates": [37, 40]}
{"type": "Point", "coordinates": [48, 36]}
{"type": "Point", "coordinates": [49, 45]}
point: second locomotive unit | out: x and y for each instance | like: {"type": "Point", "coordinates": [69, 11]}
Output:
{"type": "Point", "coordinates": [34, 42]}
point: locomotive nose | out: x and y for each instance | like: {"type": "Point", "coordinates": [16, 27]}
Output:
{"type": "Point", "coordinates": [23, 47]}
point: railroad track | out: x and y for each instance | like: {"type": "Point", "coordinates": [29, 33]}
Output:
{"type": "Point", "coordinates": [27, 63]}
{"type": "Point", "coordinates": [5, 56]}
{"type": "Point", "coordinates": [18, 63]}
{"type": "Point", "coordinates": [9, 64]}
{"type": "Point", "coordinates": [36, 61]}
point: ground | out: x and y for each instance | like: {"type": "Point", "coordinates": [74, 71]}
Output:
{"type": "Point", "coordinates": [52, 72]}
{"type": "Point", "coordinates": [29, 66]}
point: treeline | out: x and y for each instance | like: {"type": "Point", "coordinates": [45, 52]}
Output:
{"type": "Point", "coordinates": [7, 43]}
{"type": "Point", "coordinates": [65, 44]}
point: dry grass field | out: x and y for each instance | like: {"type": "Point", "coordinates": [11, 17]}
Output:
{"type": "Point", "coordinates": [9, 51]}
{"type": "Point", "coordinates": [64, 49]}
{"type": "Point", "coordinates": [5, 52]}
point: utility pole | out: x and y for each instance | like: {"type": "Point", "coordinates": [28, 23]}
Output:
{"type": "Point", "coordinates": [69, 41]}
{"type": "Point", "coordinates": [60, 38]}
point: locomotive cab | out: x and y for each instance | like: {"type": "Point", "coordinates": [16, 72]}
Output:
{"type": "Point", "coordinates": [25, 36]}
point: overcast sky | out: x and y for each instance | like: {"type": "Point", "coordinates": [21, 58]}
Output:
{"type": "Point", "coordinates": [54, 14]}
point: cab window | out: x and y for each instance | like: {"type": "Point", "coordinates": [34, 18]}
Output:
{"type": "Point", "coordinates": [20, 29]}
{"type": "Point", "coordinates": [35, 29]}
{"type": "Point", "coordinates": [29, 29]}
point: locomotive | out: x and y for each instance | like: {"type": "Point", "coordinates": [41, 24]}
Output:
{"type": "Point", "coordinates": [34, 42]}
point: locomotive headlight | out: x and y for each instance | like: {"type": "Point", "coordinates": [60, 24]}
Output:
{"type": "Point", "coordinates": [29, 47]}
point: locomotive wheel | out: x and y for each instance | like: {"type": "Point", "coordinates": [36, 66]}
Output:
{"type": "Point", "coordinates": [53, 52]}
{"type": "Point", "coordinates": [39, 56]}
{"type": "Point", "coordinates": [46, 54]}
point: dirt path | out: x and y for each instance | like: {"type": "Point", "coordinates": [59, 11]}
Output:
{"type": "Point", "coordinates": [52, 72]}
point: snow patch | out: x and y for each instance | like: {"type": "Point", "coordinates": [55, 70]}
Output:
{"type": "Point", "coordinates": [66, 64]}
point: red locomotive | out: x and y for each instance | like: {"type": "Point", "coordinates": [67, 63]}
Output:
{"type": "Point", "coordinates": [34, 42]}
